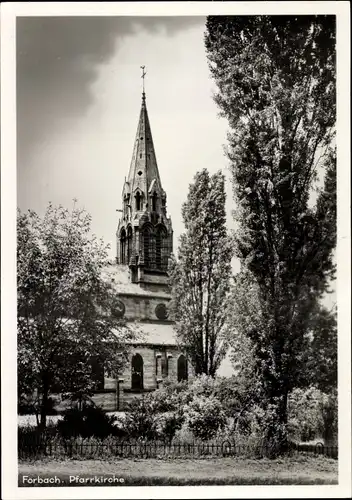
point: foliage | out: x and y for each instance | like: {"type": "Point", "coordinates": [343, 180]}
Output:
{"type": "Point", "coordinates": [276, 86]}
{"type": "Point", "coordinates": [140, 420]}
{"type": "Point", "coordinates": [169, 423]}
{"type": "Point", "coordinates": [28, 405]}
{"type": "Point", "coordinates": [321, 354]}
{"type": "Point", "coordinates": [312, 414]}
{"type": "Point", "coordinates": [90, 421]}
{"type": "Point", "coordinates": [200, 277]}
{"type": "Point", "coordinates": [182, 408]}
{"type": "Point", "coordinates": [204, 416]}
{"type": "Point", "coordinates": [168, 397]}
{"type": "Point", "coordinates": [65, 306]}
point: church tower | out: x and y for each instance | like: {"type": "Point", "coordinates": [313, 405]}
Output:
{"type": "Point", "coordinates": [144, 232]}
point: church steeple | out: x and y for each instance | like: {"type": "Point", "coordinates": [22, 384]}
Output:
{"type": "Point", "coordinates": [144, 234]}
{"type": "Point", "coordinates": [143, 174]}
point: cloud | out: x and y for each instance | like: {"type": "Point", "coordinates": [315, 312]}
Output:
{"type": "Point", "coordinates": [57, 61]}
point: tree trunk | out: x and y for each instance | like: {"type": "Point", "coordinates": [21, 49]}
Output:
{"type": "Point", "coordinates": [276, 441]}
{"type": "Point", "coordinates": [208, 308]}
{"type": "Point", "coordinates": [44, 405]}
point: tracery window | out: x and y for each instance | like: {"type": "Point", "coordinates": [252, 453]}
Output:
{"type": "Point", "coordinates": [147, 246]}
{"type": "Point", "coordinates": [161, 248]}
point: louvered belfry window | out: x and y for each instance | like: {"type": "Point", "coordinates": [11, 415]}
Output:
{"type": "Point", "coordinates": [161, 249]}
{"type": "Point", "coordinates": [147, 246]}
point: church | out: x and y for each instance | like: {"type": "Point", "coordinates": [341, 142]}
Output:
{"type": "Point", "coordinates": [144, 244]}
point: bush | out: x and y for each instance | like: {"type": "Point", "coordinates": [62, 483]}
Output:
{"type": "Point", "coordinates": [90, 421]}
{"type": "Point", "coordinates": [312, 414]}
{"type": "Point", "coordinates": [140, 420]}
{"type": "Point", "coordinates": [205, 416]}
{"type": "Point", "coordinates": [169, 424]}
{"type": "Point", "coordinates": [169, 397]}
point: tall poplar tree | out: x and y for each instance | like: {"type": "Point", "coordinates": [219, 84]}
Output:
{"type": "Point", "coordinates": [276, 87]}
{"type": "Point", "coordinates": [200, 278]}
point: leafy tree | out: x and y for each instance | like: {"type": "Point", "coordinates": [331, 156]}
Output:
{"type": "Point", "coordinates": [276, 86]}
{"type": "Point", "coordinates": [321, 355]}
{"type": "Point", "coordinates": [200, 278]}
{"type": "Point", "coordinates": [66, 309]}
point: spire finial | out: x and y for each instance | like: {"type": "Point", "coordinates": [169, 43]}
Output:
{"type": "Point", "coordinates": [143, 76]}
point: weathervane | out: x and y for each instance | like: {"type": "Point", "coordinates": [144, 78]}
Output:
{"type": "Point", "coordinates": [143, 75]}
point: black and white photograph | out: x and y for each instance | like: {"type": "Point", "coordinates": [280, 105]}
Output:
{"type": "Point", "coordinates": [175, 191]}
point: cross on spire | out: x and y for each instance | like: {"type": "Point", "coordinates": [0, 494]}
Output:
{"type": "Point", "coordinates": [143, 76]}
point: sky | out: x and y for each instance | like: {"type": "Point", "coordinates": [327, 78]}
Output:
{"type": "Point", "coordinates": [78, 100]}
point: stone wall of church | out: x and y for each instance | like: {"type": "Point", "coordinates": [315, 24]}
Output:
{"type": "Point", "coordinates": [141, 308]}
{"type": "Point", "coordinates": [155, 359]}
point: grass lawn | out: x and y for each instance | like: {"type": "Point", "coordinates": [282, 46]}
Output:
{"type": "Point", "coordinates": [301, 469]}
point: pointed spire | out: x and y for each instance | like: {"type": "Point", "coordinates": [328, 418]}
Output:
{"type": "Point", "coordinates": [144, 173]}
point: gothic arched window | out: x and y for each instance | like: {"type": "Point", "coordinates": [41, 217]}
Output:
{"type": "Point", "coordinates": [123, 246]}
{"type": "Point", "coordinates": [182, 369]}
{"type": "Point", "coordinates": [129, 244]}
{"type": "Point", "coordinates": [147, 246]}
{"type": "Point", "coordinates": [137, 372]}
{"type": "Point", "coordinates": [138, 201]}
{"type": "Point", "coordinates": [161, 240]}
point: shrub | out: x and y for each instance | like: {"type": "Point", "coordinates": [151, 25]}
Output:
{"type": "Point", "coordinates": [140, 420]}
{"type": "Point", "coordinates": [329, 418]}
{"type": "Point", "coordinates": [169, 397]}
{"type": "Point", "coordinates": [202, 385]}
{"type": "Point", "coordinates": [204, 416]}
{"type": "Point", "coordinates": [312, 414]}
{"type": "Point", "coordinates": [184, 434]}
{"type": "Point", "coordinates": [90, 421]}
{"type": "Point", "coordinates": [235, 396]}
{"type": "Point", "coordinates": [169, 424]}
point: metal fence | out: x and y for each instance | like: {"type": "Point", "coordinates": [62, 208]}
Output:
{"type": "Point", "coordinates": [95, 449]}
